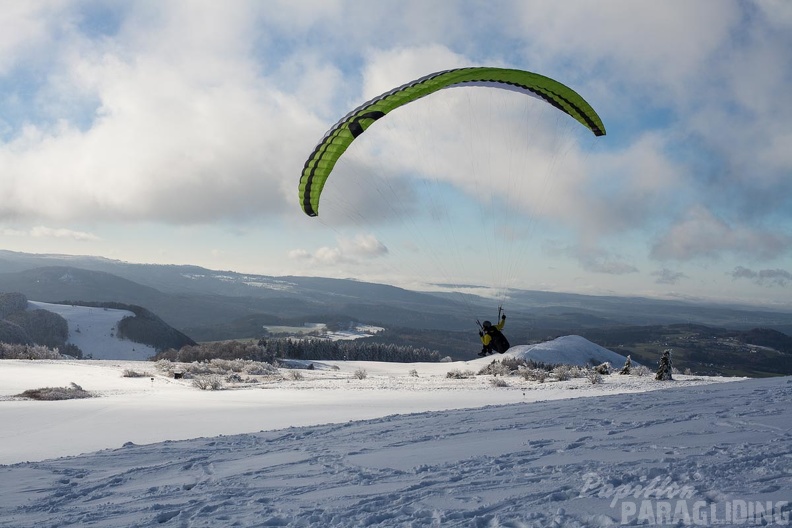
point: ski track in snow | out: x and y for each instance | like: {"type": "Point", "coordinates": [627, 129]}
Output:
{"type": "Point", "coordinates": [526, 464]}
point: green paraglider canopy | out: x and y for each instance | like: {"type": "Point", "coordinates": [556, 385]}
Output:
{"type": "Point", "coordinates": [335, 142]}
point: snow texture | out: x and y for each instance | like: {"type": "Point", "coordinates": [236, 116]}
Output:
{"type": "Point", "coordinates": [405, 445]}
{"type": "Point", "coordinates": [335, 450]}
{"type": "Point", "coordinates": [569, 350]}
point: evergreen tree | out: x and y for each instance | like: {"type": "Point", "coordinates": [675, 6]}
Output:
{"type": "Point", "coordinates": [665, 369]}
{"type": "Point", "coordinates": [627, 366]}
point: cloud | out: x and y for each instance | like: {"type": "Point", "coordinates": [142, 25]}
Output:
{"type": "Point", "coordinates": [48, 232]}
{"type": "Point", "coordinates": [179, 129]}
{"type": "Point", "coordinates": [626, 189]}
{"type": "Point", "coordinates": [143, 114]}
{"type": "Point", "coordinates": [607, 265]}
{"type": "Point", "coordinates": [593, 258]}
{"type": "Point", "coordinates": [187, 125]}
{"type": "Point", "coordinates": [713, 76]}
{"type": "Point", "coordinates": [765, 277]}
{"type": "Point", "coordinates": [299, 254]}
{"type": "Point", "coordinates": [23, 30]}
{"type": "Point", "coordinates": [348, 251]}
{"type": "Point", "coordinates": [366, 246]}
{"type": "Point", "coordinates": [667, 276]}
{"type": "Point", "coordinates": [701, 234]}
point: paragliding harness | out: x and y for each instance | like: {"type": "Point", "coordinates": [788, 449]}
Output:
{"type": "Point", "coordinates": [497, 342]}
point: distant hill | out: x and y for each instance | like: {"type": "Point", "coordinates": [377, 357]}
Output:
{"type": "Point", "coordinates": [116, 331]}
{"type": "Point", "coordinates": [195, 298]}
{"type": "Point", "coordinates": [99, 330]}
{"type": "Point", "coordinates": [21, 325]}
{"type": "Point", "coordinates": [137, 325]}
{"type": "Point", "coordinates": [210, 305]}
{"type": "Point", "coordinates": [95, 331]}
{"type": "Point", "coordinates": [703, 349]}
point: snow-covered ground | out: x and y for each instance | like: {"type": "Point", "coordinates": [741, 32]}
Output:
{"type": "Point", "coordinates": [393, 449]}
{"type": "Point", "coordinates": [94, 331]}
{"type": "Point", "coordinates": [569, 350]}
{"type": "Point", "coordinates": [406, 445]}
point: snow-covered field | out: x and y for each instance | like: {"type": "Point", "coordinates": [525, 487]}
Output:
{"type": "Point", "coordinates": [94, 331]}
{"type": "Point", "coordinates": [393, 449]}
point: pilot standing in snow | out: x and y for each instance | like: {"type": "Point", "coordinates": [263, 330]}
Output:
{"type": "Point", "coordinates": [492, 338]}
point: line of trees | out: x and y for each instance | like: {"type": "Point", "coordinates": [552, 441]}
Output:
{"type": "Point", "coordinates": [18, 325]}
{"type": "Point", "coordinates": [11, 303]}
{"type": "Point", "coordinates": [21, 351]}
{"type": "Point", "coordinates": [356, 350]}
{"type": "Point", "coordinates": [270, 350]}
{"type": "Point", "coordinates": [42, 327]}
{"type": "Point", "coordinates": [226, 350]}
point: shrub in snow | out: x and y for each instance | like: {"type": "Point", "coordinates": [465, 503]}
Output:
{"type": "Point", "coordinates": [640, 370]}
{"type": "Point", "coordinates": [513, 363]}
{"type": "Point", "coordinates": [625, 370]}
{"type": "Point", "coordinates": [72, 392]}
{"type": "Point", "coordinates": [604, 369]}
{"type": "Point", "coordinates": [361, 374]}
{"type": "Point", "coordinates": [534, 374]}
{"type": "Point", "coordinates": [595, 377]}
{"type": "Point", "coordinates": [130, 373]}
{"type": "Point", "coordinates": [218, 367]}
{"type": "Point", "coordinates": [199, 368]}
{"type": "Point", "coordinates": [17, 351]}
{"type": "Point", "coordinates": [227, 350]}
{"type": "Point", "coordinates": [259, 368]}
{"type": "Point", "coordinates": [665, 370]}
{"type": "Point", "coordinates": [563, 372]}
{"type": "Point", "coordinates": [509, 366]}
{"type": "Point", "coordinates": [458, 374]}
{"type": "Point", "coordinates": [165, 366]}
{"type": "Point", "coordinates": [498, 382]}
{"type": "Point", "coordinates": [414, 373]}
{"type": "Point", "coordinates": [226, 365]}
{"type": "Point", "coordinates": [210, 382]}
{"type": "Point", "coordinates": [295, 375]}
{"type": "Point", "coordinates": [495, 368]}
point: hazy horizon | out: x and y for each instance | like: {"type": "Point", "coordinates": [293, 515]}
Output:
{"type": "Point", "coordinates": [472, 289]}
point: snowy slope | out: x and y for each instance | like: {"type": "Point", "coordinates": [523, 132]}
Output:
{"type": "Point", "coordinates": [156, 407]}
{"type": "Point", "coordinates": [569, 350]}
{"type": "Point", "coordinates": [404, 446]}
{"type": "Point", "coordinates": [95, 331]}
{"type": "Point", "coordinates": [695, 454]}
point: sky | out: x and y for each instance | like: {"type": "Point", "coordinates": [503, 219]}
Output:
{"type": "Point", "coordinates": [175, 133]}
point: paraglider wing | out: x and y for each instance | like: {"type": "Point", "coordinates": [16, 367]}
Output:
{"type": "Point", "coordinates": [335, 142]}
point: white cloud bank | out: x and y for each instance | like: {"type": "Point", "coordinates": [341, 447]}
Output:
{"type": "Point", "coordinates": [189, 113]}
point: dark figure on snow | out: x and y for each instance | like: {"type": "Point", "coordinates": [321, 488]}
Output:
{"type": "Point", "coordinates": [492, 338]}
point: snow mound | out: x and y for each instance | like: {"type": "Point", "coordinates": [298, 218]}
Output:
{"type": "Point", "coordinates": [568, 350]}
